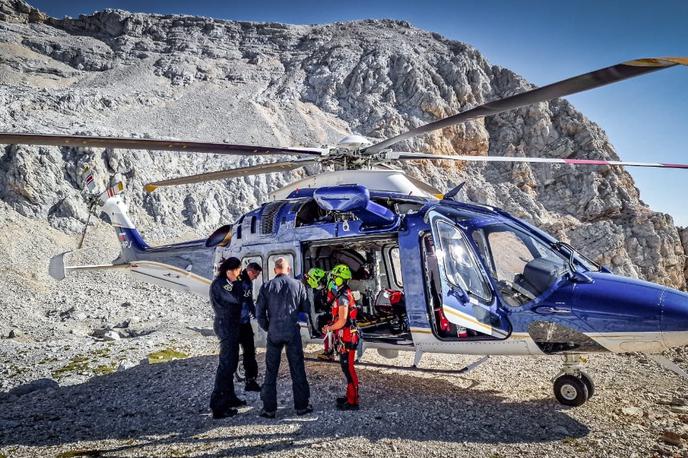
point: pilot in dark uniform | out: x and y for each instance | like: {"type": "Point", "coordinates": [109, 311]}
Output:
{"type": "Point", "coordinates": [246, 338]}
{"type": "Point", "coordinates": [279, 304]}
{"type": "Point", "coordinates": [227, 297]}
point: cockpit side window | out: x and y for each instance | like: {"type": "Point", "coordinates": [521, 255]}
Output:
{"type": "Point", "coordinates": [461, 267]}
{"type": "Point", "coordinates": [522, 266]}
{"type": "Point", "coordinates": [509, 253]}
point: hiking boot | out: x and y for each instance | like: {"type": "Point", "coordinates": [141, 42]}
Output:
{"type": "Point", "coordinates": [219, 415]}
{"type": "Point", "coordinates": [347, 406]}
{"type": "Point", "coordinates": [236, 403]}
{"type": "Point", "coordinates": [265, 414]}
{"type": "Point", "coordinates": [251, 385]}
{"type": "Point", "coordinates": [326, 356]}
{"type": "Point", "coordinates": [341, 400]}
{"type": "Point", "coordinates": [308, 409]}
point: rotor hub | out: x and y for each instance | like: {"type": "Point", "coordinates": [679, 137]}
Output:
{"type": "Point", "coordinates": [353, 143]}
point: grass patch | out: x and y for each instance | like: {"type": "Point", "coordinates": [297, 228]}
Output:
{"type": "Point", "coordinates": [165, 355]}
{"type": "Point", "coordinates": [76, 364]}
{"type": "Point", "coordinates": [101, 352]}
{"type": "Point", "coordinates": [105, 369]}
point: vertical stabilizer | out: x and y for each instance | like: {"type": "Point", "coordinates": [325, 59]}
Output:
{"type": "Point", "coordinates": [131, 242]}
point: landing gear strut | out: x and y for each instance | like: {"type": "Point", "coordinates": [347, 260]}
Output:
{"type": "Point", "coordinates": [572, 386]}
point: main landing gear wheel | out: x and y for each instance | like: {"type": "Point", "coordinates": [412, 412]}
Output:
{"type": "Point", "coordinates": [588, 383]}
{"type": "Point", "coordinates": [571, 390]}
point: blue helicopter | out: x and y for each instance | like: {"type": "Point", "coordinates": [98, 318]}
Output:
{"type": "Point", "coordinates": [432, 274]}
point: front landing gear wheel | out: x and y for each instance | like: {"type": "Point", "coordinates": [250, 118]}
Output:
{"type": "Point", "coordinates": [588, 383]}
{"type": "Point", "coordinates": [570, 390]}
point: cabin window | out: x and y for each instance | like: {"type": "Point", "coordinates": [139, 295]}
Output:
{"type": "Point", "coordinates": [460, 266]}
{"type": "Point", "coordinates": [259, 279]}
{"type": "Point", "coordinates": [271, 263]}
{"type": "Point", "coordinates": [395, 261]}
{"type": "Point", "coordinates": [238, 227]}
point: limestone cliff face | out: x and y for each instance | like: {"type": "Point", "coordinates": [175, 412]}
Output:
{"type": "Point", "coordinates": [118, 73]}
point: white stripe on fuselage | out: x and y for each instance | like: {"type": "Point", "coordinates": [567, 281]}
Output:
{"type": "Point", "coordinates": [523, 344]}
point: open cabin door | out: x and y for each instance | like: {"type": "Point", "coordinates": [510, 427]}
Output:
{"type": "Point", "coordinates": [467, 299]}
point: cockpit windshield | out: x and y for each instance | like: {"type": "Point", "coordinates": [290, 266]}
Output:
{"type": "Point", "coordinates": [521, 265]}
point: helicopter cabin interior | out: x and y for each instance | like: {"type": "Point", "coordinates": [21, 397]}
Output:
{"type": "Point", "coordinates": [377, 286]}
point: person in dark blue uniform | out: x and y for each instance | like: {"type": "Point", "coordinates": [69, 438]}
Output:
{"type": "Point", "coordinates": [246, 338]}
{"type": "Point", "coordinates": [227, 297]}
{"type": "Point", "coordinates": [279, 304]}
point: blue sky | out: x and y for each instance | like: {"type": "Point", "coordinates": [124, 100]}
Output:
{"type": "Point", "coordinates": [545, 41]}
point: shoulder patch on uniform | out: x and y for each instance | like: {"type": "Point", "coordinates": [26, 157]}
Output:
{"type": "Point", "coordinates": [228, 287]}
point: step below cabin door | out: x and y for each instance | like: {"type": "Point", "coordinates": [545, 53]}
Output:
{"type": "Point", "coordinates": [467, 298]}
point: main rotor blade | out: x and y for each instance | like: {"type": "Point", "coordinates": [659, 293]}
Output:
{"type": "Point", "coordinates": [569, 86]}
{"type": "Point", "coordinates": [9, 138]}
{"type": "Point", "coordinates": [401, 156]}
{"type": "Point", "coordinates": [232, 173]}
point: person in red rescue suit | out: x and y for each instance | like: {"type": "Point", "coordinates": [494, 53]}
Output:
{"type": "Point", "coordinates": [344, 313]}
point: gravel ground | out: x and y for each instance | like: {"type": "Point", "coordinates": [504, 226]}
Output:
{"type": "Point", "coordinates": [505, 408]}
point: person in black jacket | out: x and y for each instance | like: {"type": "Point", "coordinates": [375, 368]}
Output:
{"type": "Point", "coordinates": [226, 296]}
{"type": "Point", "coordinates": [277, 310]}
{"type": "Point", "coordinates": [246, 338]}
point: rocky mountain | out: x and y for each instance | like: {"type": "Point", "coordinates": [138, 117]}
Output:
{"type": "Point", "coordinates": [183, 77]}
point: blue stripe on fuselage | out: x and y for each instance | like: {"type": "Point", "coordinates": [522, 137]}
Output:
{"type": "Point", "coordinates": [133, 236]}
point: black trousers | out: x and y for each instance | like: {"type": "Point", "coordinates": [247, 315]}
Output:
{"type": "Point", "coordinates": [299, 383]}
{"type": "Point", "coordinates": [223, 392]}
{"type": "Point", "coordinates": [248, 347]}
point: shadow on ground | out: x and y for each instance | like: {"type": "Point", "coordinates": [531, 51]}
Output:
{"type": "Point", "coordinates": [167, 404]}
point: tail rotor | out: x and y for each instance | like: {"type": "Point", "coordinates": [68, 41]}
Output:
{"type": "Point", "coordinates": [90, 191]}
{"type": "Point", "coordinates": [95, 199]}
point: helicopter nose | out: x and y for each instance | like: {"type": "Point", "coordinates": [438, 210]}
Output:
{"type": "Point", "coordinates": [674, 319]}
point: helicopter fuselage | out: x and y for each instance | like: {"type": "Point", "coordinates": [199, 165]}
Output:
{"type": "Point", "coordinates": [475, 280]}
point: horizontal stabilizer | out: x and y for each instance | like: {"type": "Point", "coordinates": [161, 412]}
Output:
{"type": "Point", "coordinates": [58, 270]}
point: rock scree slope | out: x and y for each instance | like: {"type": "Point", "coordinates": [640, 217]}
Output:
{"type": "Point", "coordinates": [128, 74]}
{"type": "Point", "coordinates": [121, 73]}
